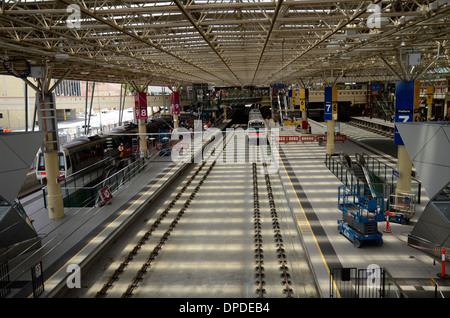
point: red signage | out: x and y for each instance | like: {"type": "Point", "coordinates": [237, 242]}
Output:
{"type": "Point", "coordinates": [175, 103]}
{"type": "Point", "coordinates": [141, 113]}
{"type": "Point", "coordinates": [105, 195]}
{"type": "Point", "coordinates": [140, 105]}
{"type": "Point", "coordinates": [60, 179]}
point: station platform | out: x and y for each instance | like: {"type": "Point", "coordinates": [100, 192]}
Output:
{"type": "Point", "coordinates": [314, 199]}
{"type": "Point", "coordinates": [311, 193]}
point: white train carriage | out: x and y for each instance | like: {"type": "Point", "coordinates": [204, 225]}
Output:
{"type": "Point", "coordinates": [86, 151]}
{"type": "Point", "coordinates": [256, 127]}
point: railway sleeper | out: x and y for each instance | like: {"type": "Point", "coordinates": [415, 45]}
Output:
{"type": "Point", "coordinates": [102, 291]}
{"type": "Point", "coordinates": [288, 291]}
{"type": "Point", "coordinates": [260, 292]}
{"type": "Point", "coordinates": [258, 251]}
{"type": "Point", "coordinates": [259, 269]}
{"type": "Point", "coordinates": [128, 292]}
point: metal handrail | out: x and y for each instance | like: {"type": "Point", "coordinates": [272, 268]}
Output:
{"type": "Point", "coordinates": [130, 171]}
{"type": "Point", "coordinates": [435, 284]}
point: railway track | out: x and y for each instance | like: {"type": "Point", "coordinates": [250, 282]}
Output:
{"type": "Point", "coordinates": [277, 245]}
{"type": "Point", "coordinates": [162, 240]}
{"type": "Point", "coordinates": [373, 129]}
{"type": "Point", "coordinates": [266, 227]}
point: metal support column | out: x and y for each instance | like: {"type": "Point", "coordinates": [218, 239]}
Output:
{"type": "Point", "coordinates": [430, 96]}
{"type": "Point", "coordinates": [330, 116]}
{"type": "Point", "coordinates": [140, 112]}
{"type": "Point", "coordinates": [45, 103]}
{"type": "Point", "coordinates": [304, 101]}
{"type": "Point", "coordinates": [407, 99]}
{"type": "Point", "coordinates": [405, 168]}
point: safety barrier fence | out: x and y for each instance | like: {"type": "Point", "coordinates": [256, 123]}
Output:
{"type": "Point", "coordinates": [439, 250]}
{"type": "Point", "coordinates": [84, 196]}
{"type": "Point", "coordinates": [309, 138]}
{"type": "Point", "coordinates": [380, 169]}
{"type": "Point", "coordinates": [387, 173]}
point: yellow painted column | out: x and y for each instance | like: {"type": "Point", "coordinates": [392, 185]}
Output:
{"type": "Point", "coordinates": [430, 96]}
{"type": "Point", "coordinates": [404, 168]}
{"type": "Point", "coordinates": [175, 121]}
{"type": "Point", "coordinates": [303, 101]}
{"type": "Point", "coordinates": [175, 108]}
{"type": "Point", "coordinates": [55, 205]}
{"type": "Point", "coordinates": [331, 107]}
{"type": "Point", "coordinates": [407, 103]}
{"type": "Point", "coordinates": [142, 137]}
{"type": "Point", "coordinates": [330, 137]}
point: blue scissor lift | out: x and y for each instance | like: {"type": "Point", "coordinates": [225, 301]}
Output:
{"type": "Point", "coordinates": [362, 209]}
{"type": "Point", "coordinates": [164, 140]}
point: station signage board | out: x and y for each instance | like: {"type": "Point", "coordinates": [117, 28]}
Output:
{"type": "Point", "coordinates": [140, 105]}
{"type": "Point", "coordinates": [331, 105]}
{"type": "Point", "coordinates": [304, 99]}
{"type": "Point", "coordinates": [407, 102]}
{"type": "Point", "coordinates": [175, 103]}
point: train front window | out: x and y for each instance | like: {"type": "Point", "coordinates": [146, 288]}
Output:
{"type": "Point", "coordinates": [61, 161]}
{"type": "Point", "coordinates": [256, 125]}
{"type": "Point", "coordinates": [41, 163]}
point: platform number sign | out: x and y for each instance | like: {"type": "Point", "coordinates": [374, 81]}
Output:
{"type": "Point", "coordinates": [328, 111]}
{"type": "Point", "coordinates": [140, 105]}
{"type": "Point", "coordinates": [331, 105]}
{"type": "Point", "coordinates": [304, 99]}
{"type": "Point", "coordinates": [302, 105]}
{"type": "Point", "coordinates": [175, 103]}
{"type": "Point", "coordinates": [141, 113]}
{"type": "Point", "coordinates": [406, 105]}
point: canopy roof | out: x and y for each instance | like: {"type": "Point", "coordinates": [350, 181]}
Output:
{"type": "Point", "coordinates": [229, 42]}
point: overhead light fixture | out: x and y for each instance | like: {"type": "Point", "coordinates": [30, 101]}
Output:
{"type": "Point", "coordinates": [333, 46]}
{"type": "Point", "coordinates": [62, 56]}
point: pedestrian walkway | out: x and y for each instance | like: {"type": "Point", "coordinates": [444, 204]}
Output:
{"type": "Point", "coordinates": [82, 232]}
{"type": "Point", "coordinates": [313, 194]}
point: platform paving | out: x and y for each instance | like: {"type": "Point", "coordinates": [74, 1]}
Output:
{"type": "Point", "coordinates": [315, 207]}
{"type": "Point", "coordinates": [311, 191]}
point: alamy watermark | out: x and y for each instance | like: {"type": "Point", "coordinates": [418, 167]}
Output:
{"type": "Point", "coordinates": [235, 145]}
{"type": "Point", "coordinates": [373, 276]}
{"type": "Point", "coordinates": [73, 21]}
{"type": "Point", "coordinates": [74, 279]}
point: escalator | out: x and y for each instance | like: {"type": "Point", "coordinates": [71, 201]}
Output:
{"type": "Point", "coordinates": [359, 170]}
{"type": "Point", "coordinates": [384, 106]}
